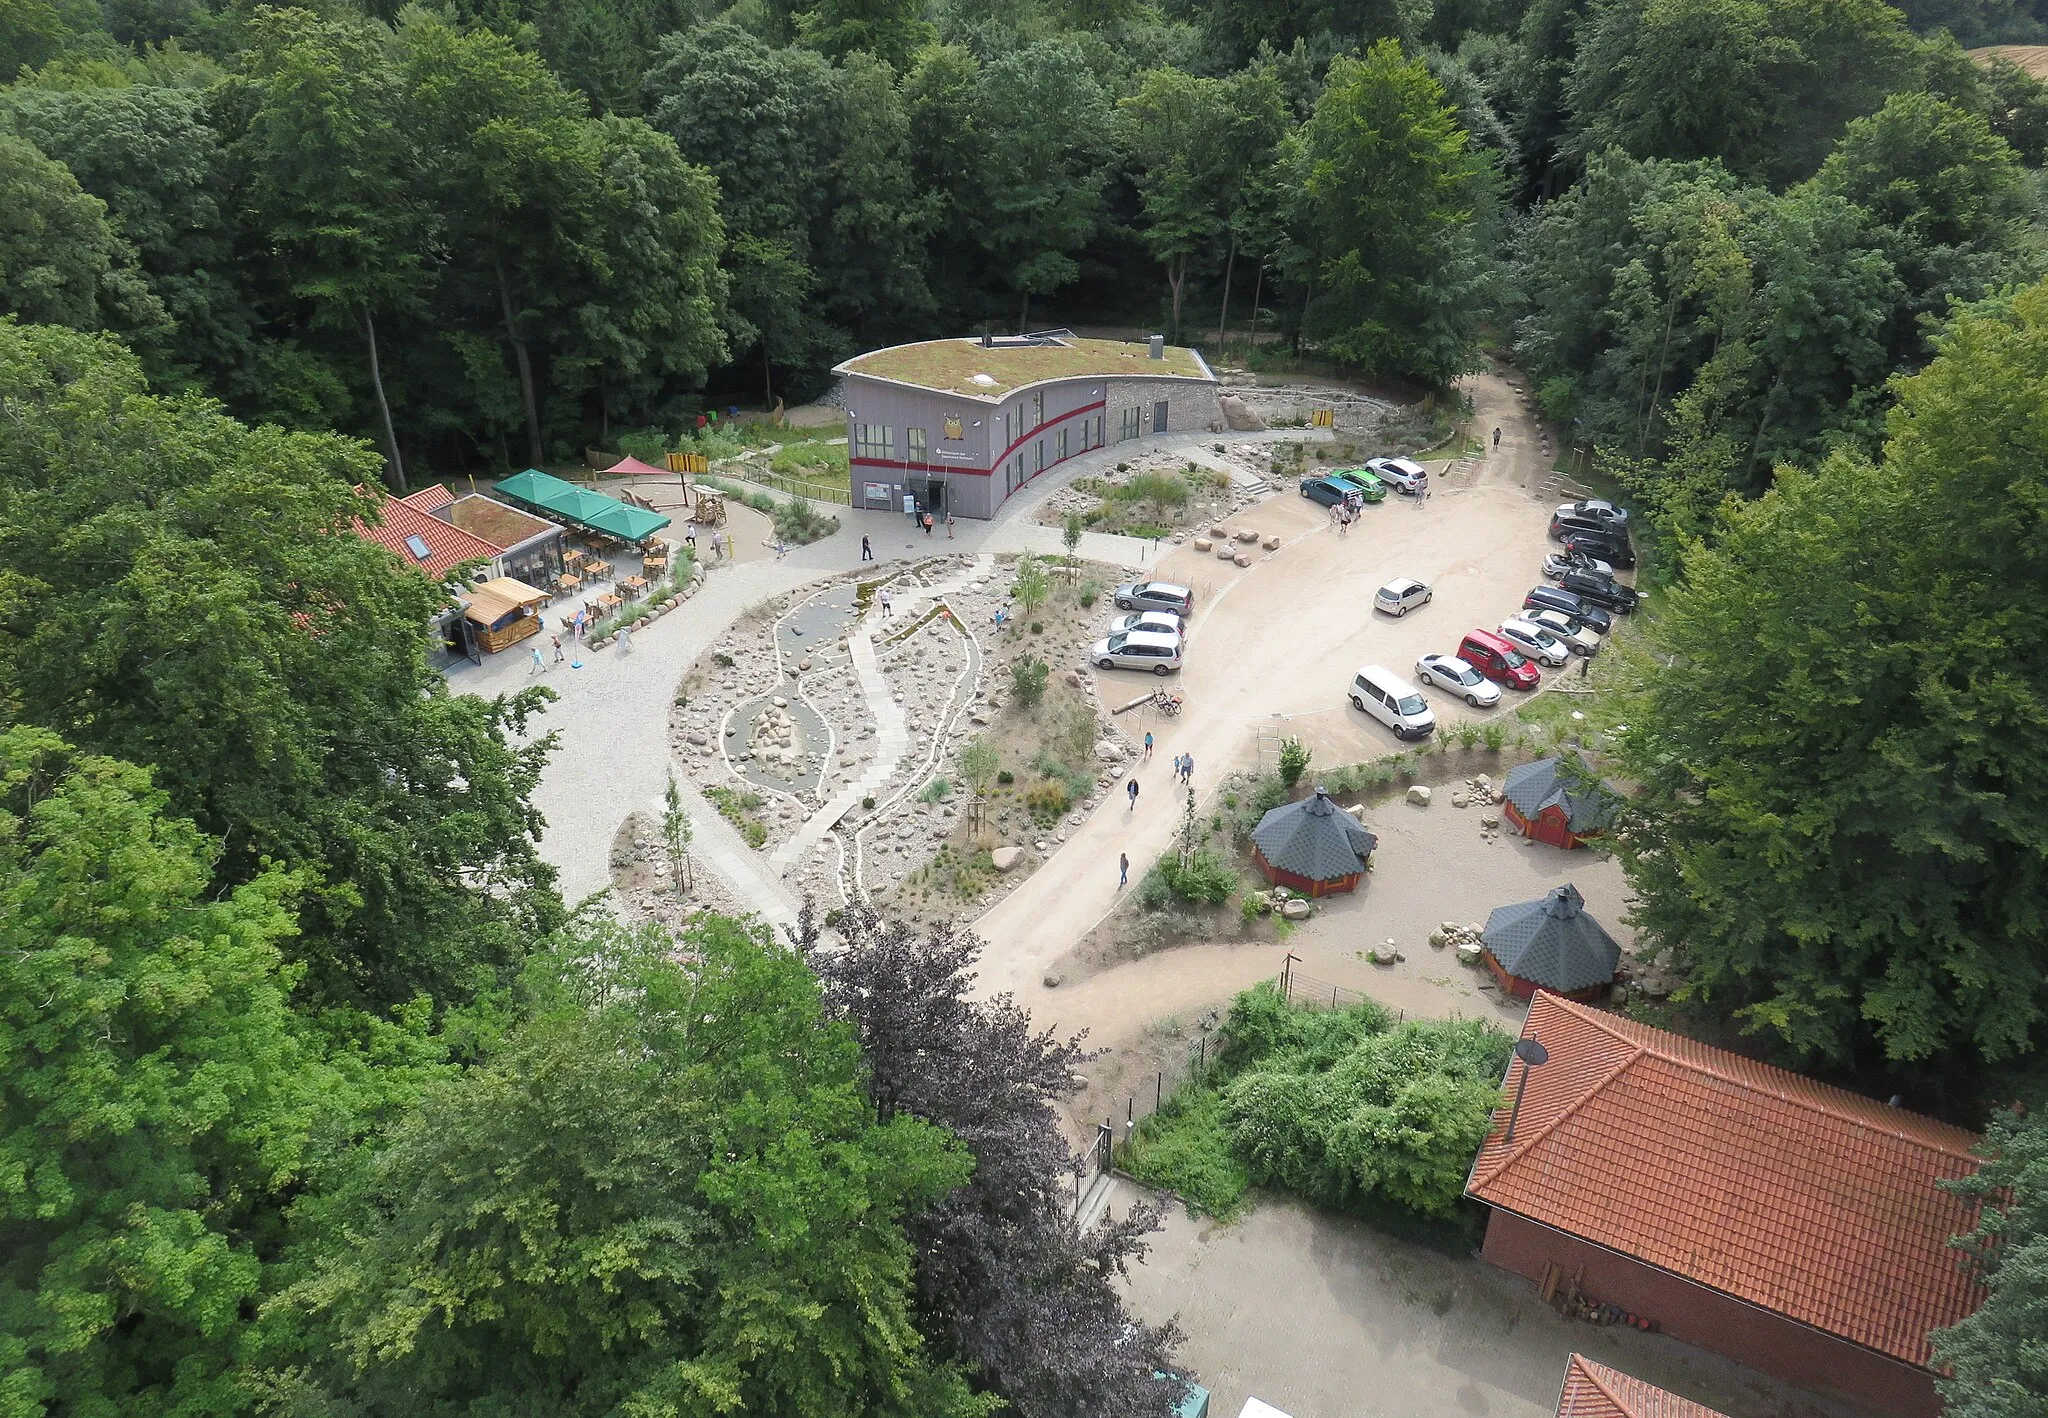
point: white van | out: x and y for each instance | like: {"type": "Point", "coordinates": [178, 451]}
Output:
{"type": "Point", "coordinates": [1393, 701]}
{"type": "Point", "coordinates": [1138, 650]}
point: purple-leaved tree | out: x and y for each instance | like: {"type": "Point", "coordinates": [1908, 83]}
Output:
{"type": "Point", "coordinates": [1005, 1280]}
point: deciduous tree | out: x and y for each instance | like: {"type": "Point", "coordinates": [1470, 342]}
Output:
{"type": "Point", "coordinates": [1996, 1365]}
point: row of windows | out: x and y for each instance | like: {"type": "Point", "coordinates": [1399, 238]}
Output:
{"type": "Point", "coordinates": [878, 440]}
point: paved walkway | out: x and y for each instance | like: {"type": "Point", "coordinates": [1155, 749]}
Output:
{"type": "Point", "coordinates": [612, 715]}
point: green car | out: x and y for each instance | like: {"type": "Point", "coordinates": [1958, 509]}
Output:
{"type": "Point", "coordinates": [1369, 488]}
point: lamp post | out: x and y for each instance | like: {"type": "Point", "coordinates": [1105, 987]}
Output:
{"type": "Point", "coordinates": [1531, 1054]}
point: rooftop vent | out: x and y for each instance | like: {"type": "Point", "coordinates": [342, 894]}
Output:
{"type": "Point", "coordinates": [1158, 344]}
{"type": "Point", "coordinates": [986, 381]}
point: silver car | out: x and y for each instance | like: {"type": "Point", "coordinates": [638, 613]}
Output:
{"type": "Point", "coordinates": [1570, 629]}
{"type": "Point", "coordinates": [1137, 650]}
{"type": "Point", "coordinates": [1535, 642]}
{"type": "Point", "coordinates": [1454, 676]}
{"type": "Point", "coordinates": [1162, 622]}
{"type": "Point", "coordinates": [1154, 596]}
{"type": "Point", "coordinates": [1558, 562]}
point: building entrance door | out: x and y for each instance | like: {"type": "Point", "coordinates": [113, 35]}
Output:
{"type": "Point", "coordinates": [1159, 417]}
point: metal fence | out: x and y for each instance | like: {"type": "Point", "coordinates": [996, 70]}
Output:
{"type": "Point", "coordinates": [783, 483]}
{"type": "Point", "coordinates": [1307, 992]}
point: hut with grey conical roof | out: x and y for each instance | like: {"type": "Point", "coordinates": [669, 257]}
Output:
{"type": "Point", "coordinates": [1312, 846]}
{"type": "Point", "coordinates": [1552, 944]}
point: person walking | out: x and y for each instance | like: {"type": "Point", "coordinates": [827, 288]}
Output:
{"type": "Point", "coordinates": [949, 526]}
{"type": "Point", "coordinates": [867, 553]}
{"type": "Point", "coordinates": [690, 536]}
{"type": "Point", "coordinates": [1148, 745]}
{"type": "Point", "coordinates": [1496, 440]}
{"type": "Point", "coordinates": [1132, 789]}
{"type": "Point", "coordinates": [885, 603]}
{"type": "Point", "coordinates": [927, 524]}
{"type": "Point", "coordinates": [1187, 769]}
{"type": "Point", "coordinates": [1123, 870]}
{"type": "Point", "coordinates": [1422, 489]}
{"type": "Point", "coordinates": [538, 664]}
{"type": "Point", "coordinates": [559, 656]}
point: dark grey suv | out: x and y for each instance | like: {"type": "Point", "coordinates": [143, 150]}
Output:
{"type": "Point", "coordinates": [1600, 591]}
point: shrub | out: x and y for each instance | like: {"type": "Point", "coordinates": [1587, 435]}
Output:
{"type": "Point", "coordinates": [800, 523]}
{"type": "Point", "coordinates": [1048, 797]}
{"type": "Point", "coordinates": [935, 790]}
{"type": "Point", "coordinates": [868, 803]}
{"type": "Point", "coordinates": [1184, 1148]}
{"type": "Point", "coordinates": [1496, 735]}
{"type": "Point", "coordinates": [1028, 675]}
{"type": "Point", "coordinates": [1207, 878]}
{"type": "Point", "coordinates": [1294, 757]}
{"type": "Point", "coordinates": [1038, 627]}
{"type": "Point", "coordinates": [1248, 907]}
{"type": "Point", "coordinates": [1004, 775]}
{"type": "Point", "coordinates": [1266, 794]}
{"type": "Point", "coordinates": [1468, 734]}
{"type": "Point", "coordinates": [738, 809]}
{"type": "Point", "coordinates": [1090, 590]}
{"type": "Point", "coordinates": [1031, 585]}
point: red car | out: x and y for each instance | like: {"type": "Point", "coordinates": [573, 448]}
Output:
{"type": "Point", "coordinates": [1499, 661]}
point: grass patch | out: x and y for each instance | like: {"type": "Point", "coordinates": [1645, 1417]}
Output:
{"type": "Point", "coordinates": [739, 808]}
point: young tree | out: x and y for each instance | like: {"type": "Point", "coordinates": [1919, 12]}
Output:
{"type": "Point", "coordinates": [1996, 1367]}
{"type": "Point", "coordinates": [1005, 1280]}
{"type": "Point", "coordinates": [1388, 209]}
{"type": "Point", "coordinates": [1852, 869]}
{"type": "Point", "coordinates": [978, 763]}
{"type": "Point", "coordinates": [1029, 586]}
{"type": "Point", "coordinates": [663, 1192]}
{"type": "Point", "coordinates": [676, 832]}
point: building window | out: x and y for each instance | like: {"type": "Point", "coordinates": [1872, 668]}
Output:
{"type": "Point", "coordinates": [1059, 450]}
{"type": "Point", "coordinates": [913, 444]}
{"type": "Point", "coordinates": [1037, 409]}
{"type": "Point", "coordinates": [875, 440]}
{"type": "Point", "coordinates": [1133, 424]}
{"type": "Point", "coordinates": [954, 433]}
{"type": "Point", "coordinates": [1098, 430]}
{"type": "Point", "coordinates": [419, 548]}
{"type": "Point", "coordinates": [1040, 465]}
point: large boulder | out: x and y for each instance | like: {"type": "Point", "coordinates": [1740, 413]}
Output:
{"type": "Point", "coordinates": [1109, 751]}
{"type": "Point", "coordinates": [1296, 909]}
{"type": "Point", "coordinates": [1006, 857]}
{"type": "Point", "coordinates": [1419, 795]}
{"type": "Point", "coordinates": [1238, 414]}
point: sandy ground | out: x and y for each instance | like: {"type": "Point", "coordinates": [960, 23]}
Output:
{"type": "Point", "coordinates": [1272, 647]}
{"type": "Point", "coordinates": [1326, 1318]}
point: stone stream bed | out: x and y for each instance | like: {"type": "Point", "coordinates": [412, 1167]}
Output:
{"type": "Point", "coordinates": [775, 712]}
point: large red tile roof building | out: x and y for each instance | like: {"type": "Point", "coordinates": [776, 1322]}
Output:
{"type": "Point", "coordinates": [409, 525]}
{"type": "Point", "coordinates": [1595, 1391]}
{"type": "Point", "coordinates": [1791, 1225]}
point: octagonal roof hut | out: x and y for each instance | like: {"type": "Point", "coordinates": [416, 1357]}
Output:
{"type": "Point", "coordinates": [1312, 846]}
{"type": "Point", "coordinates": [1550, 944]}
{"type": "Point", "coordinates": [1558, 800]}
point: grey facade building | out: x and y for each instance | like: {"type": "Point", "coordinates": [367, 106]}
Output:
{"type": "Point", "coordinates": [959, 425]}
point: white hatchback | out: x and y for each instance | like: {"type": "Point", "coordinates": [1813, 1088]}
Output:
{"type": "Point", "coordinates": [1138, 650]}
{"type": "Point", "coordinates": [1535, 642]}
{"type": "Point", "coordinates": [1159, 622]}
{"type": "Point", "coordinates": [1401, 595]}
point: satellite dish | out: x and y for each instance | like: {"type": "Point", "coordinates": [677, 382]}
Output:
{"type": "Point", "coordinates": [1530, 1052]}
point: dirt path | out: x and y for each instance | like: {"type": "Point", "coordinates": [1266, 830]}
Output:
{"type": "Point", "coordinates": [1272, 647]}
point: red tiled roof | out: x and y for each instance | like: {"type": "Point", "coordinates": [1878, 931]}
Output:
{"type": "Point", "coordinates": [448, 546]}
{"type": "Point", "coordinates": [431, 498]}
{"type": "Point", "coordinates": [1798, 1197]}
{"type": "Point", "coordinates": [1595, 1391]}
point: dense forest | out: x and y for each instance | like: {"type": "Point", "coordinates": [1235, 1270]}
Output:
{"type": "Point", "coordinates": [494, 234]}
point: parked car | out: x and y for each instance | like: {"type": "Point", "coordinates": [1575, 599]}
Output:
{"type": "Point", "coordinates": [1138, 650]}
{"type": "Point", "coordinates": [1577, 607]}
{"type": "Point", "coordinates": [1600, 590]}
{"type": "Point", "coordinates": [1393, 701]}
{"type": "Point", "coordinates": [1576, 634]}
{"type": "Point", "coordinates": [1159, 622]}
{"type": "Point", "coordinates": [1328, 491]}
{"type": "Point", "coordinates": [1154, 596]}
{"type": "Point", "coordinates": [1596, 509]}
{"type": "Point", "coordinates": [1401, 474]}
{"type": "Point", "coordinates": [1559, 562]}
{"type": "Point", "coordinates": [1369, 488]}
{"type": "Point", "coordinates": [1535, 642]}
{"type": "Point", "coordinates": [1601, 546]}
{"type": "Point", "coordinates": [1454, 676]}
{"type": "Point", "coordinates": [1401, 595]}
{"type": "Point", "coordinates": [1574, 517]}
{"type": "Point", "coordinates": [1499, 661]}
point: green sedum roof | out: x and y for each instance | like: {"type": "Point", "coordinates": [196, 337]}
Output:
{"type": "Point", "coordinates": [951, 365]}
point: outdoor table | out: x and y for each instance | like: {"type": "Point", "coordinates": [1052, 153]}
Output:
{"type": "Point", "coordinates": [598, 570]}
{"type": "Point", "coordinates": [606, 604]}
{"type": "Point", "coordinates": [567, 583]}
{"type": "Point", "coordinates": [633, 584]}
{"type": "Point", "coordinates": [574, 557]}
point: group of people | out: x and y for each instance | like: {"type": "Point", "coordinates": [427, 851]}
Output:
{"type": "Point", "coordinates": [1183, 772]}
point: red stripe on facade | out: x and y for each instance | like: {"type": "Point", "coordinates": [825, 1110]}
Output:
{"type": "Point", "coordinates": [928, 468]}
